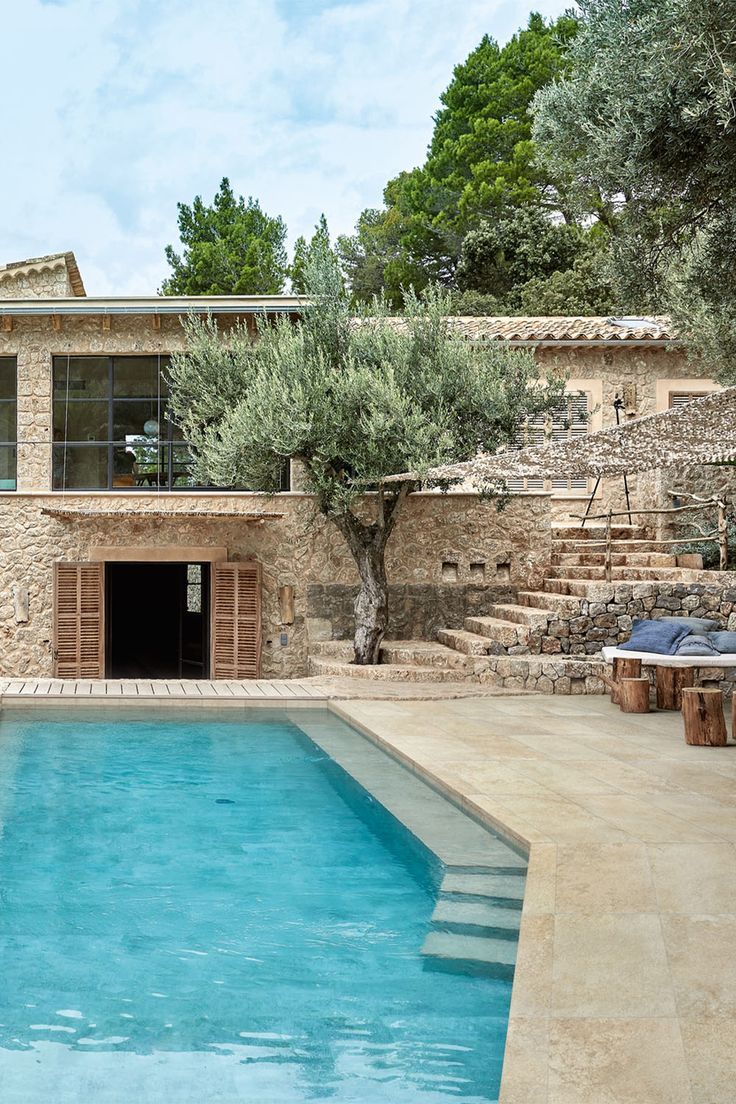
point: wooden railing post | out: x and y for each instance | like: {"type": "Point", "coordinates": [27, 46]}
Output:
{"type": "Point", "coordinates": [609, 558]}
{"type": "Point", "coordinates": [722, 535]}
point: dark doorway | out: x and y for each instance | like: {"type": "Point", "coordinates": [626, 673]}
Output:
{"type": "Point", "coordinates": [157, 620]}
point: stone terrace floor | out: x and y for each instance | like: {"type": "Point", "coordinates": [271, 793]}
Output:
{"type": "Point", "coordinates": [625, 988]}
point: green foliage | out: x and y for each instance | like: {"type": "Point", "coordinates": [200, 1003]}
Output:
{"type": "Point", "coordinates": [354, 399]}
{"type": "Point", "coordinates": [230, 248]}
{"type": "Point", "coordinates": [652, 152]}
{"type": "Point", "coordinates": [522, 245]}
{"type": "Point", "coordinates": [480, 165]}
{"type": "Point", "coordinates": [583, 289]}
{"type": "Point", "coordinates": [303, 250]}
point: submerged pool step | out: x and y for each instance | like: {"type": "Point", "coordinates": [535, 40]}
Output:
{"type": "Point", "coordinates": [509, 887]}
{"type": "Point", "coordinates": [476, 918]}
{"type": "Point", "coordinates": [471, 954]}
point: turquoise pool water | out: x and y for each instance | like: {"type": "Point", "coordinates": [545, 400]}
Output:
{"type": "Point", "coordinates": [197, 910]}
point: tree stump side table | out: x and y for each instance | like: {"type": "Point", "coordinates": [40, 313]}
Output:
{"type": "Point", "coordinates": [671, 681]}
{"type": "Point", "coordinates": [702, 713]}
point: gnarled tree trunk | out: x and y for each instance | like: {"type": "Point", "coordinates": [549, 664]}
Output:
{"type": "Point", "coordinates": [367, 542]}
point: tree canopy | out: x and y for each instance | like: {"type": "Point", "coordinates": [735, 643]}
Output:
{"type": "Point", "coordinates": [655, 153]}
{"type": "Point", "coordinates": [303, 250]}
{"type": "Point", "coordinates": [229, 248]}
{"type": "Point", "coordinates": [353, 399]}
{"type": "Point", "coordinates": [482, 192]}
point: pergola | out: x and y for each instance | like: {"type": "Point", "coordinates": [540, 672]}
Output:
{"type": "Point", "coordinates": [703, 432]}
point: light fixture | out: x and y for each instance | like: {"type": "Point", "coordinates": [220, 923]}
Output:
{"type": "Point", "coordinates": [150, 428]}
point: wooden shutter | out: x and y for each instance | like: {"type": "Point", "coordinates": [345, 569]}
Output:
{"type": "Point", "coordinates": [79, 620]}
{"type": "Point", "coordinates": [236, 620]}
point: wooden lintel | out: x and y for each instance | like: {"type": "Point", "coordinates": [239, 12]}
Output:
{"type": "Point", "coordinates": [7, 325]}
{"type": "Point", "coordinates": [56, 322]}
{"type": "Point", "coordinates": [106, 323]}
{"type": "Point", "coordinates": [156, 319]}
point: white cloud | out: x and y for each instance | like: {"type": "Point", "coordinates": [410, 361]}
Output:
{"type": "Point", "coordinates": [119, 110]}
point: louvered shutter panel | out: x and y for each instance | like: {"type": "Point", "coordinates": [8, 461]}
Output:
{"type": "Point", "coordinates": [78, 620]}
{"type": "Point", "coordinates": [236, 620]}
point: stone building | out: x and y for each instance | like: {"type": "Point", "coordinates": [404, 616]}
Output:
{"type": "Point", "coordinates": [113, 563]}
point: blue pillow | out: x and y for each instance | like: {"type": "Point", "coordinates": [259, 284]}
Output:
{"type": "Point", "coordinates": [698, 644]}
{"type": "Point", "coordinates": [695, 624]}
{"type": "Point", "coordinates": [661, 637]}
{"type": "Point", "coordinates": [724, 641]}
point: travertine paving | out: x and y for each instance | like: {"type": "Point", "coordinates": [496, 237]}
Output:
{"type": "Point", "coordinates": [625, 987]}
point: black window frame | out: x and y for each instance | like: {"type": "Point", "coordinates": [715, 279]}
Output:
{"type": "Point", "coordinates": [165, 443]}
{"type": "Point", "coordinates": [12, 444]}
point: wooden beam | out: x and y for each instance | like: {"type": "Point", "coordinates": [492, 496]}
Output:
{"type": "Point", "coordinates": [56, 322]}
{"type": "Point", "coordinates": [157, 321]}
{"type": "Point", "coordinates": [7, 325]}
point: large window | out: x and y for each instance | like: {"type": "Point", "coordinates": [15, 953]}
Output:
{"type": "Point", "coordinates": [8, 423]}
{"type": "Point", "coordinates": [111, 430]}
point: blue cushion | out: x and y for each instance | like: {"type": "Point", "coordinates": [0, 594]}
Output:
{"type": "Point", "coordinates": [724, 641]}
{"type": "Point", "coordinates": [655, 636]}
{"type": "Point", "coordinates": [698, 644]}
{"type": "Point", "coordinates": [694, 624]}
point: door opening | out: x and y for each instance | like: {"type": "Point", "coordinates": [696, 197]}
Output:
{"type": "Point", "coordinates": [157, 620]}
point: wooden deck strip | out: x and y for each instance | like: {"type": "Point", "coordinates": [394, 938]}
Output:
{"type": "Point", "coordinates": [276, 690]}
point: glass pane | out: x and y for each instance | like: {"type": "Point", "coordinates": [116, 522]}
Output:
{"type": "Point", "coordinates": [81, 377]}
{"type": "Point", "coordinates": [194, 598]}
{"type": "Point", "coordinates": [7, 468]}
{"type": "Point", "coordinates": [142, 460]}
{"type": "Point", "coordinates": [7, 421]}
{"type": "Point", "coordinates": [124, 467]}
{"type": "Point", "coordinates": [80, 467]}
{"type": "Point", "coordinates": [7, 377]}
{"type": "Point", "coordinates": [136, 377]}
{"type": "Point", "coordinates": [181, 467]}
{"type": "Point", "coordinates": [194, 573]}
{"type": "Point", "coordinates": [135, 418]}
{"type": "Point", "coordinates": [80, 421]}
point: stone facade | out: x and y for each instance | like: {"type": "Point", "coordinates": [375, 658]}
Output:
{"type": "Point", "coordinates": [450, 557]}
{"type": "Point", "coordinates": [295, 550]}
{"type": "Point", "coordinates": [41, 278]}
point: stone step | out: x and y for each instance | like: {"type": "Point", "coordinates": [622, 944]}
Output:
{"type": "Point", "coordinates": [596, 532]}
{"type": "Point", "coordinates": [508, 633]}
{"type": "Point", "coordinates": [632, 574]}
{"type": "Point", "coordinates": [421, 653]}
{"type": "Point", "coordinates": [618, 559]}
{"type": "Point", "coordinates": [559, 604]}
{"type": "Point", "coordinates": [388, 672]}
{"type": "Point", "coordinates": [476, 918]}
{"type": "Point", "coordinates": [622, 546]}
{"type": "Point", "coordinates": [534, 619]}
{"type": "Point", "coordinates": [470, 953]}
{"type": "Point", "coordinates": [468, 643]}
{"type": "Point", "coordinates": [505, 887]}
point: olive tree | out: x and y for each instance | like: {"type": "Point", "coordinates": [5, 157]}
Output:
{"type": "Point", "coordinates": [353, 398]}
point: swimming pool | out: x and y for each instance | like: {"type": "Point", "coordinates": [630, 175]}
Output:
{"type": "Point", "coordinates": [207, 907]}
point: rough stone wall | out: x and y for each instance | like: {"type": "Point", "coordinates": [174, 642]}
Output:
{"type": "Point", "coordinates": [43, 281]}
{"type": "Point", "coordinates": [296, 550]}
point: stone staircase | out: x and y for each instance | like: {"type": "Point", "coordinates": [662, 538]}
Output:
{"type": "Point", "coordinates": [548, 640]}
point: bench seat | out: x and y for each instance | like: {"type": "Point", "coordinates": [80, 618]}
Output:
{"type": "Point", "coordinates": [655, 659]}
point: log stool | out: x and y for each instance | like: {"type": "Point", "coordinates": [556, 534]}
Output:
{"type": "Point", "coordinates": [702, 712]}
{"type": "Point", "coordinates": [633, 695]}
{"type": "Point", "coordinates": [622, 669]}
{"type": "Point", "coordinates": [671, 681]}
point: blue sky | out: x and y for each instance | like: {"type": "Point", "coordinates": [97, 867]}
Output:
{"type": "Point", "coordinates": [117, 109]}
